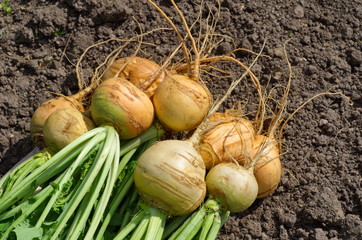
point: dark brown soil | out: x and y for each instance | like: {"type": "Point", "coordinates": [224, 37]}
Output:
{"type": "Point", "coordinates": [320, 195]}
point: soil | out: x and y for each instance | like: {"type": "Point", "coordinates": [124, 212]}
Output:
{"type": "Point", "coordinates": [320, 194]}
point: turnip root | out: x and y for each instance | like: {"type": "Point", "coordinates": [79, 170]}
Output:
{"type": "Point", "coordinates": [143, 73]}
{"type": "Point", "coordinates": [233, 186]}
{"type": "Point", "coordinates": [45, 109]}
{"type": "Point", "coordinates": [181, 103]}
{"type": "Point", "coordinates": [63, 126]}
{"type": "Point", "coordinates": [229, 139]}
{"type": "Point", "coordinates": [119, 103]}
{"type": "Point", "coordinates": [268, 168]}
{"type": "Point", "coordinates": [175, 185]}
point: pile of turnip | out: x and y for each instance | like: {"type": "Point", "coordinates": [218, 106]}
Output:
{"type": "Point", "coordinates": [105, 169]}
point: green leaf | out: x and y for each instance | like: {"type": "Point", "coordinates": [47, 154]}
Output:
{"type": "Point", "coordinates": [24, 232]}
{"type": "Point", "coordinates": [28, 204]}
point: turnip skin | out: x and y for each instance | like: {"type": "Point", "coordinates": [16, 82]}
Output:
{"type": "Point", "coordinates": [230, 140]}
{"type": "Point", "coordinates": [42, 113]}
{"type": "Point", "coordinates": [142, 72]}
{"type": "Point", "coordinates": [233, 186]}
{"type": "Point", "coordinates": [119, 103]}
{"type": "Point", "coordinates": [268, 167]}
{"type": "Point", "coordinates": [170, 176]}
{"type": "Point", "coordinates": [181, 103]}
{"type": "Point", "coordinates": [64, 126]}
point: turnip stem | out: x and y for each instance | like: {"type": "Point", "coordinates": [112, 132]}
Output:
{"type": "Point", "coordinates": [125, 159]}
{"type": "Point", "coordinates": [70, 171]}
{"type": "Point", "coordinates": [208, 222]}
{"type": "Point", "coordinates": [155, 130]}
{"type": "Point", "coordinates": [111, 180]}
{"type": "Point", "coordinates": [21, 164]}
{"type": "Point", "coordinates": [132, 224]}
{"type": "Point", "coordinates": [141, 229]}
{"type": "Point", "coordinates": [189, 226]}
{"type": "Point", "coordinates": [91, 197]}
{"type": "Point", "coordinates": [123, 190]}
{"type": "Point", "coordinates": [157, 219]}
{"type": "Point", "coordinates": [25, 160]}
{"type": "Point", "coordinates": [126, 203]}
{"type": "Point", "coordinates": [224, 216]}
{"type": "Point", "coordinates": [194, 231]}
{"type": "Point", "coordinates": [31, 167]}
{"type": "Point", "coordinates": [182, 227]}
{"type": "Point", "coordinates": [84, 187]}
{"type": "Point", "coordinates": [21, 191]}
{"type": "Point", "coordinates": [19, 207]}
{"type": "Point", "coordinates": [58, 157]}
{"type": "Point", "coordinates": [216, 225]}
{"type": "Point", "coordinates": [203, 216]}
{"type": "Point", "coordinates": [173, 225]}
{"type": "Point", "coordinates": [130, 208]}
{"type": "Point", "coordinates": [17, 175]}
{"type": "Point", "coordinates": [41, 199]}
{"type": "Point", "coordinates": [46, 171]}
{"type": "Point", "coordinates": [161, 229]}
{"type": "Point", "coordinates": [83, 212]}
{"type": "Point", "coordinates": [149, 228]}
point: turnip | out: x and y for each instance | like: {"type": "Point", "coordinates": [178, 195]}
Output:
{"type": "Point", "coordinates": [119, 103]}
{"type": "Point", "coordinates": [45, 109]}
{"type": "Point", "coordinates": [181, 103]}
{"type": "Point", "coordinates": [142, 72]}
{"type": "Point", "coordinates": [268, 168]}
{"type": "Point", "coordinates": [230, 138]}
{"type": "Point", "coordinates": [170, 176]}
{"type": "Point", "coordinates": [233, 186]}
{"type": "Point", "coordinates": [63, 126]}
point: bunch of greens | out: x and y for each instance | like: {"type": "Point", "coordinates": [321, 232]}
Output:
{"type": "Point", "coordinates": [73, 194]}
